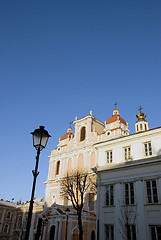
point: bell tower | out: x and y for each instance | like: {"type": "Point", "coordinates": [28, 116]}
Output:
{"type": "Point", "coordinates": [141, 124]}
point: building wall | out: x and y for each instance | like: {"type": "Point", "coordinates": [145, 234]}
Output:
{"type": "Point", "coordinates": [137, 170]}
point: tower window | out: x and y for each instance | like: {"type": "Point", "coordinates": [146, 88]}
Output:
{"type": "Point", "coordinates": [83, 134]}
{"type": "Point", "coordinates": [141, 126]}
{"type": "Point", "coordinates": [57, 167]}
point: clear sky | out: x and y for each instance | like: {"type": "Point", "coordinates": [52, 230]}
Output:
{"type": "Point", "coordinates": [61, 59]}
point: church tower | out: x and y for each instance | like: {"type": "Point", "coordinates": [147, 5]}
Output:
{"type": "Point", "coordinates": [141, 124]}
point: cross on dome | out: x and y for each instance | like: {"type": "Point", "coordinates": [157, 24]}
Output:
{"type": "Point", "coordinates": [140, 109]}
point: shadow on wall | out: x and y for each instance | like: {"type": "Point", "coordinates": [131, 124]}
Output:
{"type": "Point", "coordinates": [159, 152]}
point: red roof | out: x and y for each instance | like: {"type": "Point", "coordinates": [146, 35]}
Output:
{"type": "Point", "coordinates": [67, 135]}
{"type": "Point", "coordinates": [114, 118]}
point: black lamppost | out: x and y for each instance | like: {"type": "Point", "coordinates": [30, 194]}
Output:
{"type": "Point", "coordinates": [67, 214]}
{"type": "Point", "coordinates": [40, 138]}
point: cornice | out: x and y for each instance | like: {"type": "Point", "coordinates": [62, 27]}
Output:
{"type": "Point", "coordinates": [102, 143]}
{"type": "Point", "coordinates": [131, 164]}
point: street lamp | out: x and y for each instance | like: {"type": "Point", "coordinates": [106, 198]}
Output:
{"type": "Point", "coordinates": [67, 214]}
{"type": "Point", "coordinates": [40, 138]}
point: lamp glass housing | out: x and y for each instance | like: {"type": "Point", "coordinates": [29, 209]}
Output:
{"type": "Point", "coordinates": [40, 137]}
{"type": "Point", "coordinates": [67, 211]}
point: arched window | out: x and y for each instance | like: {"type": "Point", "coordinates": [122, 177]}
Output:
{"type": "Point", "coordinates": [75, 234]}
{"type": "Point", "coordinates": [82, 134]}
{"type": "Point", "coordinates": [93, 235]}
{"type": "Point", "coordinates": [57, 167]}
{"type": "Point", "coordinates": [52, 232]}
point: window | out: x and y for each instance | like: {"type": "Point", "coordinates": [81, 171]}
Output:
{"type": "Point", "coordinates": [131, 232]}
{"type": "Point", "coordinates": [91, 201]}
{"type": "Point", "coordinates": [109, 232]}
{"type": "Point", "coordinates": [8, 215]}
{"type": "Point", "coordinates": [65, 201]}
{"type": "Point", "coordinates": [137, 128]}
{"type": "Point", "coordinates": [6, 228]}
{"type": "Point", "coordinates": [127, 151]}
{"type": "Point", "coordinates": [109, 156]}
{"type": "Point", "coordinates": [152, 195]}
{"type": "Point", "coordinates": [155, 232]}
{"type": "Point", "coordinates": [18, 226]}
{"type": "Point", "coordinates": [129, 193]}
{"type": "Point", "coordinates": [109, 195]}
{"type": "Point", "coordinates": [57, 167]}
{"type": "Point", "coordinates": [82, 134]}
{"type": "Point", "coordinates": [148, 149]}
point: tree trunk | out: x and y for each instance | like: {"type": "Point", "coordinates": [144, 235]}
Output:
{"type": "Point", "coordinates": [79, 213]}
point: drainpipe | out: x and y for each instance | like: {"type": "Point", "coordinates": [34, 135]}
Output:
{"type": "Point", "coordinates": [98, 200]}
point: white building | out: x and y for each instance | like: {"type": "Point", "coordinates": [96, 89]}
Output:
{"type": "Point", "coordinates": [129, 181]}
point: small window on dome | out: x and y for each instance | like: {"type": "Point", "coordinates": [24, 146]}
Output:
{"type": "Point", "coordinates": [82, 134]}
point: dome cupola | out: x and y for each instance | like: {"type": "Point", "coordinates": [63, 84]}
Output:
{"type": "Point", "coordinates": [68, 135]}
{"type": "Point", "coordinates": [116, 125]}
{"type": "Point", "coordinates": [141, 124]}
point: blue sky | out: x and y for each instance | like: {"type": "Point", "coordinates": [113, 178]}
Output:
{"type": "Point", "coordinates": [61, 59]}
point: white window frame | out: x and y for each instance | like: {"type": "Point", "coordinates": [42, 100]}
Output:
{"type": "Point", "coordinates": [8, 216]}
{"type": "Point", "coordinates": [6, 232]}
{"type": "Point", "coordinates": [155, 229]}
{"type": "Point", "coordinates": [152, 192]}
{"type": "Point", "coordinates": [148, 149]}
{"type": "Point", "coordinates": [19, 222]}
{"type": "Point", "coordinates": [109, 156]}
{"type": "Point", "coordinates": [132, 234]}
{"type": "Point", "coordinates": [91, 201]}
{"type": "Point", "coordinates": [129, 193]}
{"type": "Point", "coordinates": [127, 153]}
{"type": "Point", "coordinates": [111, 195]}
{"type": "Point", "coordinates": [110, 230]}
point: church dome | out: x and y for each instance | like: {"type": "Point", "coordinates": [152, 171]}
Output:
{"type": "Point", "coordinates": [116, 117]}
{"type": "Point", "coordinates": [69, 134]}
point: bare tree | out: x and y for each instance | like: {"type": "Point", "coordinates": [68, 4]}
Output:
{"type": "Point", "coordinates": [74, 187]}
{"type": "Point", "coordinates": [127, 222]}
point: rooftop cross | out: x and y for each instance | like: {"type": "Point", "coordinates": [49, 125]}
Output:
{"type": "Point", "coordinates": [115, 104]}
{"type": "Point", "coordinates": [140, 109]}
{"type": "Point", "coordinates": [70, 123]}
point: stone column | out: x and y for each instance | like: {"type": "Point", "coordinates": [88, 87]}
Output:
{"type": "Point", "coordinates": [60, 231]}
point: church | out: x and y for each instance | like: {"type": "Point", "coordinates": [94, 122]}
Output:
{"type": "Point", "coordinates": [123, 163]}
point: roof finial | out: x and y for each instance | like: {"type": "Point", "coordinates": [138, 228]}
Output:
{"type": "Point", "coordinates": [115, 104]}
{"type": "Point", "coordinates": [70, 123]}
{"type": "Point", "coordinates": [140, 109]}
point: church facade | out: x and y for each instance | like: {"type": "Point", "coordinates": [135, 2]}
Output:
{"type": "Point", "coordinates": [127, 167]}
{"type": "Point", "coordinates": [77, 152]}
